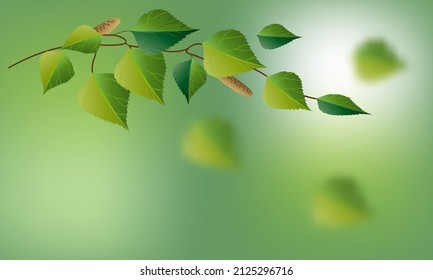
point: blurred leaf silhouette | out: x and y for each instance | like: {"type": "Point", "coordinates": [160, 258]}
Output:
{"type": "Point", "coordinates": [340, 202]}
{"type": "Point", "coordinates": [210, 142]}
{"type": "Point", "coordinates": [376, 60]}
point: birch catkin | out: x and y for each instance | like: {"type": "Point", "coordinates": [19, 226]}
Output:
{"type": "Point", "coordinates": [236, 85]}
{"type": "Point", "coordinates": [107, 26]}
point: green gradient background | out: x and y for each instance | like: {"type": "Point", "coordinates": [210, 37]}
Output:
{"type": "Point", "coordinates": [75, 187]}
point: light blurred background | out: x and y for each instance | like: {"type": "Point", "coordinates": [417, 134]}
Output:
{"type": "Point", "coordinates": [75, 187]}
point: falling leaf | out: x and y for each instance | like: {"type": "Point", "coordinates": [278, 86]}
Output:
{"type": "Point", "coordinates": [210, 142]}
{"type": "Point", "coordinates": [376, 60]}
{"type": "Point", "coordinates": [340, 202]}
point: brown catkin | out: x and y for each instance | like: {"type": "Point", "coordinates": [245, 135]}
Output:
{"type": "Point", "coordinates": [107, 26]}
{"type": "Point", "coordinates": [236, 85]}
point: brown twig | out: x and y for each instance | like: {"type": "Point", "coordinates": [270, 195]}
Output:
{"type": "Point", "coordinates": [93, 62]}
{"type": "Point", "coordinates": [33, 55]}
{"type": "Point", "coordinates": [314, 98]}
{"type": "Point", "coordinates": [125, 43]}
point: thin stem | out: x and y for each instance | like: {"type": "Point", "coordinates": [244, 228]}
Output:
{"type": "Point", "coordinates": [33, 55]}
{"type": "Point", "coordinates": [93, 62]}
{"type": "Point", "coordinates": [125, 42]}
{"type": "Point", "coordinates": [185, 49]}
{"type": "Point", "coordinates": [118, 36]}
{"type": "Point", "coordinates": [120, 32]}
{"type": "Point", "coordinates": [193, 54]}
{"type": "Point", "coordinates": [258, 71]}
{"type": "Point", "coordinates": [113, 45]}
{"type": "Point", "coordinates": [314, 98]}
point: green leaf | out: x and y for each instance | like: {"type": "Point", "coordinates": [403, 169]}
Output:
{"type": "Point", "coordinates": [284, 91]}
{"type": "Point", "coordinates": [158, 30]}
{"type": "Point", "coordinates": [335, 104]}
{"type": "Point", "coordinates": [274, 36]}
{"type": "Point", "coordinates": [210, 142]}
{"type": "Point", "coordinates": [189, 76]}
{"type": "Point", "coordinates": [104, 98]}
{"type": "Point", "coordinates": [56, 69]}
{"type": "Point", "coordinates": [84, 39]}
{"type": "Point", "coordinates": [227, 53]}
{"type": "Point", "coordinates": [376, 60]}
{"type": "Point", "coordinates": [142, 73]}
{"type": "Point", "coordinates": [340, 202]}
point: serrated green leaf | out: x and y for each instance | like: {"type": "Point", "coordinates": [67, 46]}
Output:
{"type": "Point", "coordinates": [227, 53]}
{"type": "Point", "coordinates": [210, 142]}
{"type": "Point", "coordinates": [104, 98]}
{"type": "Point", "coordinates": [274, 36]}
{"type": "Point", "coordinates": [376, 60]}
{"type": "Point", "coordinates": [158, 30]}
{"type": "Point", "coordinates": [284, 91]}
{"type": "Point", "coordinates": [189, 76]}
{"type": "Point", "coordinates": [340, 202]}
{"type": "Point", "coordinates": [335, 104]}
{"type": "Point", "coordinates": [142, 73]}
{"type": "Point", "coordinates": [56, 69]}
{"type": "Point", "coordinates": [83, 39]}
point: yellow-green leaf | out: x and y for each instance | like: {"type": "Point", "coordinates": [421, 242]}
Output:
{"type": "Point", "coordinates": [83, 39]}
{"type": "Point", "coordinates": [340, 202]}
{"type": "Point", "coordinates": [376, 60]}
{"type": "Point", "coordinates": [56, 69]}
{"type": "Point", "coordinates": [142, 73]}
{"type": "Point", "coordinates": [284, 91]}
{"type": "Point", "coordinates": [227, 53]}
{"type": "Point", "coordinates": [210, 142]}
{"type": "Point", "coordinates": [104, 98]}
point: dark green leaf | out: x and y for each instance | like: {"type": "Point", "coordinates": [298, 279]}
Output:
{"type": "Point", "coordinates": [274, 36]}
{"type": "Point", "coordinates": [335, 104]}
{"type": "Point", "coordinates": [189, 76]}
{"type": "Point", "coordinates": [158, 30]}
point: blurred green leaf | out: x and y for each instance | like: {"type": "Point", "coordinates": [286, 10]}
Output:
{"type": "Point", "coordinates": [335, 104]}
{"type": "Point", "coordinates": [284, 91]}
{"type": "Point", "coordinates": [274, 36]}
{"type": "Point", "coordinates": [189, 76]}
{"type": "Point", "coordinates": [340, 203]}
{"type": "Point", "coordinates": [104, 98]}
{"type": "Point", "coordinates": [227, 53]}
{"type": "Point", "coordinates": [158, 30]}
{"type": "Point", "coordinates": [83, 39]}
{"type": "Point", "coordinates": [210, 142]}
{"type": "Point", "coordinates": [56, 69]}
{"type": "Point", "coordinates": [142, 73]}
{"type": "Point", "coordinates": [376, 60]}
